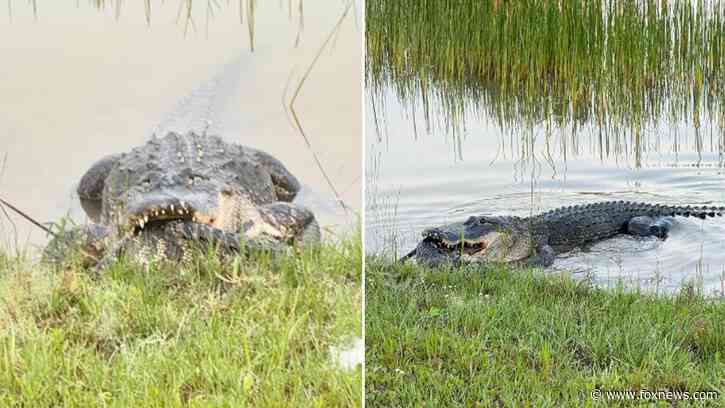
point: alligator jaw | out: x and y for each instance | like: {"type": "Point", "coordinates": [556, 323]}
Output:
{"type": "Point", "coordinates": [153, 215]}
{"type": "Point", "coordinates": [470, 243]}
{"type": "Point", "coordinates": [470, 247]}
{"type": "Point", "coordinates": [161, 210]}
{"type": "Point", "coordinates": [450, 242]}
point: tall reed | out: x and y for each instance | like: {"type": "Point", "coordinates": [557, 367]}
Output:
{"type": "Point", "coordinates": [617, 63]}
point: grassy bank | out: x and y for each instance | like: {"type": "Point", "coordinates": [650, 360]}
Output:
{"type": "Point", "coordinates": [250, 332]}
{"type": "Point", "coordinates": [512, 337]}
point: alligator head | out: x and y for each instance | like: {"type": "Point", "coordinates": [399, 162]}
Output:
{"type": "Point", "coordinates": [193, 178]}
{"type": "Point", "coordinates": [477, 240]}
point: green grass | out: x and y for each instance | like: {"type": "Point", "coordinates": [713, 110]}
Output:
{"type": "Point", "coordinates": [247, 332]}
{"type": "Point", "coordinates": [620, 64]}
{"type": "Point", "coordinates": [505, 337]}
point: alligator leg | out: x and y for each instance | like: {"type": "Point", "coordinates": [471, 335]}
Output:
{"type": "Point", "coordinates": [544, 255]}
{"type": "Point", "coordinates": [645, 226]}
{"type": "Point", "coordinates": [291, 220]}
{"type": "Point", "coordinates": [286, 185]}
{"type": "Point", "coordinates": [90, 188]}
{"type": "Point", "coordinates": [90, 240]}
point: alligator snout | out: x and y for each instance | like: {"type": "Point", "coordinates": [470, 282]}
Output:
{"type": "Point", "coordinates": [449, 234]}
{"type": "Point", "coordinates": [433, 233]}
{"type": "Point", "coordinates": [452, 241]}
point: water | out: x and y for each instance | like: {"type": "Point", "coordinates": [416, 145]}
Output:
{"type": "Point", "coordinates": [418, 178]}
{"type": "Point", "coordinates": [78, 84]}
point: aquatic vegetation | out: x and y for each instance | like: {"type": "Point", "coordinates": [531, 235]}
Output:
{"type": "Point", "coordinates": [187, 12]}
{"type": "Point", "coordinates": [620, 65]}
{"type": "Point", "coordinates": [191, 11]}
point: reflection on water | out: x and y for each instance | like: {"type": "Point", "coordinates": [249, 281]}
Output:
{"type": "Point", "coordinates": [79, 84]}
{"type": "Point", "coordinates": [620, 64]}
{"type": "Point", "coordinates": [187, 16]}
{"type": "Point", "coordinates": [421, 178]}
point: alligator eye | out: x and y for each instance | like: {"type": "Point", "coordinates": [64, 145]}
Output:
{"type": "Point", "coordinates": [146, 183]}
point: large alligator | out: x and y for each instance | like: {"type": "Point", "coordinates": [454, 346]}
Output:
{"type": "Point", "coordinates": [187, 187]}
{"type": "Point", "coordinates": [178, 189]}
{"type": "Point", "coordinates": [536, 240]}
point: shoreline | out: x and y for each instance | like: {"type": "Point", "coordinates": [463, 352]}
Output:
{"type": "Point", "coordinates": [512, 335]}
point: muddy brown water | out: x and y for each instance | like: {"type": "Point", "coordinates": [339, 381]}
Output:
{"type": "Point", "coordinates": [419, 178]}
{"type": "Point", "coordinates": [79, 83]}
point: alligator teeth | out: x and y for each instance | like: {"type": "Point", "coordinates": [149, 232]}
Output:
{"type": "Point", "coordinates": [145, 218]}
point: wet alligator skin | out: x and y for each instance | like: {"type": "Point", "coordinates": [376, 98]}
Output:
{"type": "Point", "coordinates": [153, 201]}
{"type": "Point", "coordinates": [537, 239]}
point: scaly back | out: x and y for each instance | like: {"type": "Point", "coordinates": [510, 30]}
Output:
{"type": "Point", "coordinates": [568, 227]}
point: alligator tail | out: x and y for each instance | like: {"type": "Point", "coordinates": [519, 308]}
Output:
{"type": "Point", "coordinates": [680, 211]}
{"type": "Point", "coordinates": [201, 110]}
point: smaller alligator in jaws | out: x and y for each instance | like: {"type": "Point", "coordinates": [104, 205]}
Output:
{"type": "Point", "coordinates": [537, 239]}
{"type": "Point", "coordinates": [153, 202]}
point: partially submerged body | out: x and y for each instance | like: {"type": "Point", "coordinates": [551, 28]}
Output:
{"type": "Point", "coordinates": [157, 199]}
{"type": "Point", "coordinates": [538, 239]}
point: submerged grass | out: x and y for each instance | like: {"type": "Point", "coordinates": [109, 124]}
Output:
{"type": "Point", "coordinates": [247, 332]}
{"type": "Point", "coordinates": [616, 63]}
{"type": "Point", "coordinates": [505, 337]}
{"type": "Point", "coordinates": [189, 11]}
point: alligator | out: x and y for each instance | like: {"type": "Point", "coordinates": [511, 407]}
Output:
{"type": "Point", "coordinates": [536, 240]}
{"type": "Point", "coordinates": [186, 187]}
{"type": "Point", "coordinates": [156, 199]}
